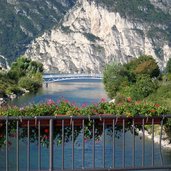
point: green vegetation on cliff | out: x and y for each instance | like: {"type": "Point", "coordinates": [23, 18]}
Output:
{"type": "Point", "coordinates": [22, 21]}
{"type": "Point", "coordinates": [156, 19]}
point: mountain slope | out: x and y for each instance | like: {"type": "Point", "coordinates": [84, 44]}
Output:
{"type": "Point", "coordinates": [97, 32]}
{"type": "Point", "coordinates": [23, 20]}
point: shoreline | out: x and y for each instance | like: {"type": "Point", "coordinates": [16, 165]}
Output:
{"type": "Point", "coordinates": [165, 141]}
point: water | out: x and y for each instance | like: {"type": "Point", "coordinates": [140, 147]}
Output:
{"type": "Point", "coordinates": [85, 91]}
{"type": "Point", "coordinates": [79, 92]}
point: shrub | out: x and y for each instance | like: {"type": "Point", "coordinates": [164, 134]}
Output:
{"type": "Point", "coordinates": [29, 84]}
{"type": "Point", "coordinates": [64, 107]}
{"type": "Point", "coordinates": [116, 77]}
{"type": "Point", "coordinates": [143, 87]}
{"type": "Point", "coordinates": [168, 66]}
{"type": "Point", "coordinates": [144, 65]}
{"type": "Point", "coordinates": [132, 79]}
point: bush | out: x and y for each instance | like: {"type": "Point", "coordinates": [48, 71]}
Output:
{"type": "Point", "coordinates": [143, 87]}
{"type": "Point", "coordinates": [14, 89]}
{"type": "Point", "coordinates": [30, 84]}
{"type": "Point", "coordinates": [132, 79]}
{"type": "Point", "coordinates": [162, 95]}
{"type": "Point", "coordinates": [116, 77]}
{"type": "Point", "coordinates": [144, 65]}
{"type": "Point", "coordinates": [168, 66]}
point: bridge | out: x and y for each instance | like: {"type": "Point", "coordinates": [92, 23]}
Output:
{"type": "Point", "coordinates": [62, 77]}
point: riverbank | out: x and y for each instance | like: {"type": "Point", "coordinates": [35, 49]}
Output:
{"type": "Point", "coordinates": [165, 139]}
{"type": "Point", "coordinates": [9, 97]}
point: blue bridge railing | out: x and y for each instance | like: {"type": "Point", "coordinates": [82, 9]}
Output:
{"type": "Point", "coordinates": [62, 77]}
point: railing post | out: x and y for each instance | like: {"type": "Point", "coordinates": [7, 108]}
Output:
{"type": "Point", "coordinates": [39, 147]}
{"type": "Point", "coordinates": [6, 144]}
{"type": "Point", "coordinates": [51, 145]}
{"type": "Point", "coordinates": [28, 145]}
{"type": "Point", "coordinates": [17, 146]}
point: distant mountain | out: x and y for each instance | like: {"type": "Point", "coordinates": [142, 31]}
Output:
{"type": "Point", "coordinates": [23, 20]}
{"type": "Point", "coordinates": [96, 32]}
{"type": "Point", "coordinates": [83, 35]}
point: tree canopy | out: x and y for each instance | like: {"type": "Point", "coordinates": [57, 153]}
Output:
{"type": "Point", "coordinates": [135, 79]}
{"type": "Point", "coordinates": [24, 73]}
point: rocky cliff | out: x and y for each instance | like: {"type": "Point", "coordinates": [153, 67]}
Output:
{"type": "Point", "coordinates": [23, 20]}
{"type": "Point", "coordinates": [93, 33]}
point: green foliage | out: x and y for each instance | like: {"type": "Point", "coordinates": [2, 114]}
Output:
{"type": "Point", "coordinates": [24, 66]}
{"type": "Point", "coordinates": [115, 78]}
{"type": "Point", "coordinates": [143, 87]}
{"type": "Point", "coordinates": [29, 83]}
{"type": "Point", "coordinates": [143, 11]}
{"type": "Point", "coordinates": [64, 107]}
{"type": "Point", "coordinates": [168, 66]}
{"type": "Point", "coordinates": [162, 95]}
{"type": "Point", "coordinates": [138, 10]}
{"type": "Point", "coordinates": [24, 73]}
{"type": "Point", "coordinates": [135, 79]}
{"type": "Point", "coordinates": [22, 22]}
{"type": "Point", "coordinates": [144, 65]}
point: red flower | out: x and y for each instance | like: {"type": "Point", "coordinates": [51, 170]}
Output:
{"type": "Point", "coordinates": [129, 99]}
{"type": "Point", "coordinates": [157, 105]}
{"type": "Point", "coordinates": [46, 130]}
{"type": "Point", "coordinates": [152, 111]}
{"type": "Point", "coordinates": [138, 102]}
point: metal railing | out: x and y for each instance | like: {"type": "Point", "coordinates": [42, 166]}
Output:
{"type": "Point", "coordinates": [62, 77]}
{"type": "Point", "coordinates": [96, 126]}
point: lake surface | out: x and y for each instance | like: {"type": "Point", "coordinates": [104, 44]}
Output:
{"type": "Point", "coordinates": [82, 91]}
{"type": "Point", "coordinates": [79, 92]}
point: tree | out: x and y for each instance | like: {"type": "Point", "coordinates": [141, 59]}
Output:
{"type": "Point", "coordinates": [115, 78]}
{"type": "Point", "coordinates": [132, 79]}
{"type": "Point", "coordinates": [143, 87]}
{"type": "Point", "coordinates": [168, 66]}
{"type": "Point", "coordinates": [144, 65]}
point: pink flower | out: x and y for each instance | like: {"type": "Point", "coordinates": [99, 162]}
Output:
{"type": "Point", "coordinates": [73, 104]}
{"type": "Point", "coordinates": [84, 105]}
{"type": "Point", "coordinates": [46, 137]}
{"type": "Point", "coordinates": [103, 100]}
{"type": "Point", "coordinates": [58, 101]}
{"type": "Point", "coordinates": [50, 102]}
{"type": "Point", "coordinates": [66, 101]}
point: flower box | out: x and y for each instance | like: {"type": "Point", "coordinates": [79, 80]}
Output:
{"type": "Point", "coordinates": [108, 120]}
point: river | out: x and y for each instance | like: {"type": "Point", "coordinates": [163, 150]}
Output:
{"type": "Point", "coordinates": [85, 91]}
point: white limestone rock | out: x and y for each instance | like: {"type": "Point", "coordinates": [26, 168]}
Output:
{"type": "Point", "coordinates": [89, 37]}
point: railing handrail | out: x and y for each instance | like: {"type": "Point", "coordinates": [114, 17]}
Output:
{"type": "Point", "coordinates": [102, 119]}
{"type": "Point", "coordinates": [100, 116]}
